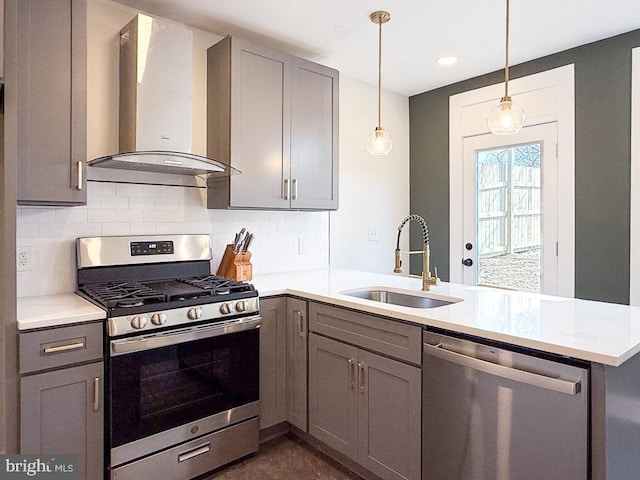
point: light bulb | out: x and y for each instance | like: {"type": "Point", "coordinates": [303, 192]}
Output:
{"type": "Point", "coordinates": [506, 118]}
{"type": "Point", "coordinates": [379, 142]}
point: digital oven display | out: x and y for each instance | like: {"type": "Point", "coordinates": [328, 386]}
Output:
{"type": "Point", "coordinates": [151, 248]}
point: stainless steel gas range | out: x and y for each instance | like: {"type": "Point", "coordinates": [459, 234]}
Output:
{"type": "Point", "coordinates": [182, 355]}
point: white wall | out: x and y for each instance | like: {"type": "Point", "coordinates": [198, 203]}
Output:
{"type": "Point", "coordinates": [374, 191]}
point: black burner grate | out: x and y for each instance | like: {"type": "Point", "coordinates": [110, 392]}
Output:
{"type": "Point", "coordinates": [122, 294]}
{"type": "Point", "coordinates": [218, 285]}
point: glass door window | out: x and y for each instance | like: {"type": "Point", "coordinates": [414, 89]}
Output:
{"type": "Point", "coordinates": [510, 214]}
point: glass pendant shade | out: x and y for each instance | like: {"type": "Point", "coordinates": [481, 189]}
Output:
{"type": "Point", "coordinates": [379, 142]}
{"type": "Point", "coordinates": [506, 118]}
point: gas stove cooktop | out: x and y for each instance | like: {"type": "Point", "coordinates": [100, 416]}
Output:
{"type": "Point", "coordinates": [147, 283]}
{"type": "Point", "coordinates": [130, 294]}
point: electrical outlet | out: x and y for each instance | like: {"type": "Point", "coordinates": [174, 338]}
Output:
{"type": "Point", "coordinates": [373, 235]}
{"type": "Point", "coordinates": [24, 260]}
{"type": "Point", "coordinates": [302, 246]}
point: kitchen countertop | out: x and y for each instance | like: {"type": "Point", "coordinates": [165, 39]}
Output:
{"type": "Point", "coordinates": [599, 332]}
{"type": "Point", "coordinates": [55, 310]}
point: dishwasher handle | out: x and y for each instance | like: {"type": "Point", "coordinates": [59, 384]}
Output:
{"type": "Point", "coordinates": [522, 376]}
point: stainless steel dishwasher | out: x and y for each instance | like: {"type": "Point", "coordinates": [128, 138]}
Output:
{"type": "Point", "coordinates": [494, 414]}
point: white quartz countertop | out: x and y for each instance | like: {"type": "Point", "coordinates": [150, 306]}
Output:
{"type": "Point", "coordinates": [55, 310]}
{"type": "Point", "coordinates": [599, 332]}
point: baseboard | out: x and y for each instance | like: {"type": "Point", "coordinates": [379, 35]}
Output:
{"type": "Point", "coordinates": [273, 431]}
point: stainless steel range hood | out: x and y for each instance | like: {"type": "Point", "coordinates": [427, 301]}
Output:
{"type": "Point", "coordinates": [156, 77]}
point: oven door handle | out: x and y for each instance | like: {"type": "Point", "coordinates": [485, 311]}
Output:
{"type": "Point", "coordinates": [167, 338]}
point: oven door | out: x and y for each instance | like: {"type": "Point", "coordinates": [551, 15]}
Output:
{"type": "Point", "coordinates": [175, 385]}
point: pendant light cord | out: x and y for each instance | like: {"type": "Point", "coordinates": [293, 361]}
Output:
{"type": "Point", "coordinates": [379, 67]}
{"type": "Point", "coordinates": [506, 54]}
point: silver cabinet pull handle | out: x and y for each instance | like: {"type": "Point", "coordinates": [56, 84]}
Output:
{"type": "Point", "coordinates": [286, 189]}
{"type": "Point", "coordinates": [351, 363]}
{"type": "Point", "coordinates": [300, 324]}
{"type": "Point", "coordinates": [294, 183]}
{"type": "Point", "coordinates": [80, 165]}
{"type": "Point", "coordinates": [202, 449]}
{"type": "Point", "coordinates": [522, 376]}
{"type": "Point", "coordinates": [361, 380]}
{"type": "Point", "coordinates": [63, 348]}
{"type": "Point", "coordinates": [96, 393]}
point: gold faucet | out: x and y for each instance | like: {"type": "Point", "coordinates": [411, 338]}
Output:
{"type": "Point", "coordinates": [427, 279]}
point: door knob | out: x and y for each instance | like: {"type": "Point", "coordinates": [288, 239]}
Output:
{"type": "Point", "coordinates": [467, 262]}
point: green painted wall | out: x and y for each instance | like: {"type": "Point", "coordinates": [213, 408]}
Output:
{"type": "Point", "coordinates": [603, 162]}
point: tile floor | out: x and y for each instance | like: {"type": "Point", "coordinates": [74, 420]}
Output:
{"type": "Point", "coordinates": [285, 458]}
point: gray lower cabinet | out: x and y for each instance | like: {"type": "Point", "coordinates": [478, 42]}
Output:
{"type": "Point", "coordinates": [62, 395]}
{"type": "Point", "coordinates": [47, 75]}
{"type": "Point", "coordinates": [297, 363]}
{"type": "Point", "coordinates": [283, 362]}
{"type": "Point", "coordinates": [366, 406]}
{"type": "Point", "coordinates": [273, 383]}
{"type": "Point", "coordinates": [275, 118]}
{"type": "Point", "coordinates": [59, 414]}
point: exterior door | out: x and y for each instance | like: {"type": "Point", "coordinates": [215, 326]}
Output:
{"type": "Point", "coordinates": [510, 219]}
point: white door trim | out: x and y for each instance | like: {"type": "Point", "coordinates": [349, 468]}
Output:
{"type": "Point", "coordinates": [634, 244]}
{"type": "Point", "coordinates": [465, 111]}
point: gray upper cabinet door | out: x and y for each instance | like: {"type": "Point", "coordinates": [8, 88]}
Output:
{"type": "Point", "coordinates": [297, 363]}
{"type": "Point", "coordinates": [61, 412]}
{"type": "Point", "coordinates": [389, 414]}
{"type": "Point", "coordinates": [275, 118]}
{"type": "Point", "coordinates": [273, 395]}
{"type": "Point", "coordinates": [248, 124]}
{"type": "Point", "coordinates": [51, 102]}
{"type": "Point", "coordinates": [332, 394]}
{"type": "Point", "coordinates": [314, 136]}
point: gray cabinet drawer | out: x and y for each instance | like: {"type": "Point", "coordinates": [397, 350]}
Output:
{"type": "Point", "coordinates": [388, 337]}
{"type": "Point", "coordinates": [60, 346]}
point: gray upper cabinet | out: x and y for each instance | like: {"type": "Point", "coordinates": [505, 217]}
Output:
{"type": "Point", "coordinates": [314, 136]}
{"type": "Point", "coordinates": [297, 363]}
{"type": "Point", "coordinates": [275, 118]}
{"type": "Point", "coordinates": [62, 395]}
{"type": "Point", "coordinates": [273, 396]}
{"type": "Point", "coordinates": [51, 100]}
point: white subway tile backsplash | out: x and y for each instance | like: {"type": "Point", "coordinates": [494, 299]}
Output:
{"type": "Point", "coordinates": [101, 215]}
{"type": "Point", "coordinates": [129, 216]}
{"type": "Point", "coordinates": [116, 229]}
{"type": "Point", "coordinates": [123, 209]}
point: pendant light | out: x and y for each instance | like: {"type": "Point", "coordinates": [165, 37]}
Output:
{"type": "Point", "coordinates": [379, 142]}
{"type": "Point", "coordinates": [506, 118]}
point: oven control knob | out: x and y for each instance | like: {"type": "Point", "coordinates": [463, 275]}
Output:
{"type": "Point", "coordinates": [158, 318]}
{"type": "Point", "coordinates": [225, 308]}
{"type": "Point", "coordinates": [241, 306]}
{"type": "Point", "coordinates": [138, 322]}
{"type": "Point", "coordinates": [194, 313]}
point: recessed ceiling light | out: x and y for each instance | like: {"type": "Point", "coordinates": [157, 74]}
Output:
{"type": "Point", "coordinates": [447, 60]}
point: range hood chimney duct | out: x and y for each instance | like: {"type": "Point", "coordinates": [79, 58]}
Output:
{"type": "Point", "coordinates": [156, 68]}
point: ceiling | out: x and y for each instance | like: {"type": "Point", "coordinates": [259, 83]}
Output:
{"type": "Point", "coordinates": [340, 34]}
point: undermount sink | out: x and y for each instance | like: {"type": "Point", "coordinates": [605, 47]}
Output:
{"type": "Point", "coordinates": [404, 299]}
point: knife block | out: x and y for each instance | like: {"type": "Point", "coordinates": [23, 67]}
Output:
{"type": "Point", "coordinates": [236, 266]}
